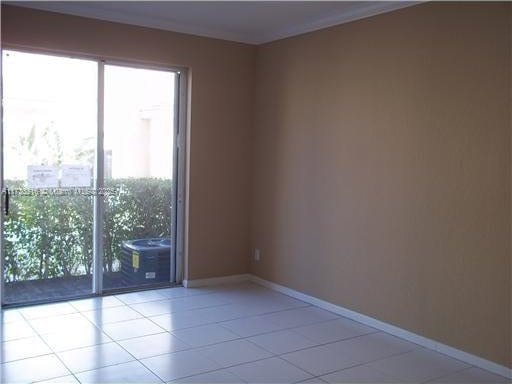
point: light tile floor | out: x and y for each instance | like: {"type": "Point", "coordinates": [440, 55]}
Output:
{"type": "Point", "coordinates": [238, 333]}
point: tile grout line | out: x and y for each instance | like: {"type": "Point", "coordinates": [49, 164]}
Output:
{"type": "Point", "coordinates": [246, 338]}
{"type": "Point", "coordinates": [294, 328]}
{"type": "Point", "coordinates": [219, 323]}
{"type": "Point", "coordinates": [198, 348]}
{"type": "Point", "coordinates": [170, 313]}
{"type": "Point", "coordinates": [135, 359]}
{"type": "Point", "coordinates": [360, 364]}
{"type": "Point", "coordinates": [53, 352]}
{"type": "Point", "coordinates": [156, 290]}
{"type": "Point", "coordinates": [275, 355]}
{"type": "Point", "coordinates": [315, 346]}
{"type": "Point", "coordinates": [241, 337]}
{"type": "Point", "coordinates": [124, 304]}
{"type": "Point", "coordinates": [140, 360]}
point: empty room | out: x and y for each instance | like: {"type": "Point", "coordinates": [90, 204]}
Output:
{"type": "Point", "coordinates": [256, 192]}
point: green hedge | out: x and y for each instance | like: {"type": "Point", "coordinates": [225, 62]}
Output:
{"type": "Point", "coordinates": [51, 236]}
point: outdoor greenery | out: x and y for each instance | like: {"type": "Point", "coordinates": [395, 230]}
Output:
{"type": "Point", "coordinates": [51, 236]}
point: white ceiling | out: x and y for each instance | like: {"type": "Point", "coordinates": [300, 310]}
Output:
{"type": "Point", "coordinates": [253, 22]}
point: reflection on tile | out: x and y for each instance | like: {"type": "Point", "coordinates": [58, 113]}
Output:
{"type": "Point", "coordinates": [132, 372]}
{"type": "Point", "coordinates": [33, 369]}
{"type": "Point", "coordinates": [16, 330]}
{"type": "Point", "coordinates": [65, 323]}
{"type": "Point", "coordinates": [46, 310]}
{"type": "Point", "coordinates": [180, 320]}
{"type": "Point", "coordinates": [22, 349]}
{"type": "Point", "coordinates": [95, 303]}
{"type": "Point", "coordinates": [175, 292]}
{"type": "Point", "coordinates": [97, 356]}
{"type": "Point", "coordinates": [131, 328]}
{"type": "Point", "coordinates": [10, 315]}
{"type": "Point", "coordinates": [140, 297]}
{"type": "Point", "coordinates": [160, 307]}
{"type": "Point", "coordinates": [153, 308]}
{"type": "Point", "coordinates": [71, 339]}
{"type": "Point", "coordinates": [153, 345]}
{"type": "Point", "coordinates": [111, 315]}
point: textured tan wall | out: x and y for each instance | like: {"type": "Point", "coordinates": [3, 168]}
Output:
{"type": "Point", "coordinates": [382, 172]}
{"type": "Point", "coordinates": [221, 119]}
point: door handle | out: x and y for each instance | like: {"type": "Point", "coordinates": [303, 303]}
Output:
{"type": "Point", "coordinates": [6, 201]}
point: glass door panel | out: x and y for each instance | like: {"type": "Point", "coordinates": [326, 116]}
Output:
{"type": "Point", "coordinates": [138, 157]}
{"type": "Point", "coordinates": [49, 128]}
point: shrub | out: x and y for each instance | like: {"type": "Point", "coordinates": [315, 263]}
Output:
{"type": "Point", "coordinates": [52, 236]}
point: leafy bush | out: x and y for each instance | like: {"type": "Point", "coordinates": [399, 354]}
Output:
{"type": "Point", "coordinates": [51, 236]}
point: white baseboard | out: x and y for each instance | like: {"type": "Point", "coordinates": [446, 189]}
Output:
{"type": "Point", "coordinates": [215, 280]}
{"type": "Point", "coordinates": [388, 328]}
{"type": "Point", "coordinates": [363, 319]}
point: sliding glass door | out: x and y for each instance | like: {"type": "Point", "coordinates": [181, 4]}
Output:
{"type": "Point", "coordinates": [49, 132]}
{"type": "Point", "coordinates": [89, 164]}
{"type": "Point", "coordinates": [139, 116]}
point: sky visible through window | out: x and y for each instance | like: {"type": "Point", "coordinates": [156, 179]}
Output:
{"type": "Point", "coordinates": [50, 116]}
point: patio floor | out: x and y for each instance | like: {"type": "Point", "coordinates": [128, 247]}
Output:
{"type": "Point", "coordinates": [56, 289]}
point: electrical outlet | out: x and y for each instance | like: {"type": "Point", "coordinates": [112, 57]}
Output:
{"type": "Point", "coordinates": [256, 254]}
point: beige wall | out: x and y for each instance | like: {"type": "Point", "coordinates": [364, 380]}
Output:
{"type": "Point", "coordinates": [382, 172]}
{"type": "Point", "coordinates": [221, 111]}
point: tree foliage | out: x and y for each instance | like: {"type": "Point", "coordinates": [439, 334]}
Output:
{"type": "Point", "coordinates": [52, 236]}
